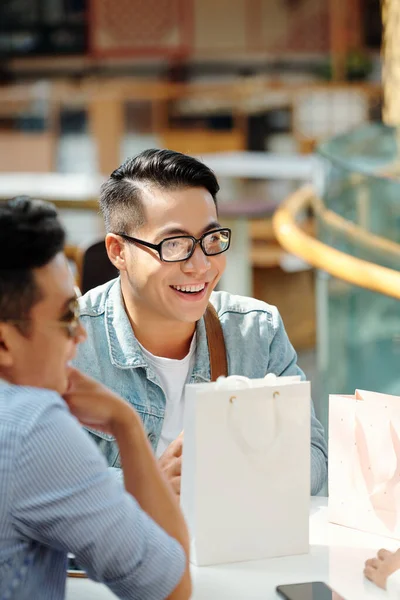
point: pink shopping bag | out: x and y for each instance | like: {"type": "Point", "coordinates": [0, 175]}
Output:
{"type": "Point", "coordinates": [364, 462]}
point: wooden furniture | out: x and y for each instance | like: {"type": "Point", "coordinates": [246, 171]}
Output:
{"type": "Point", "coordinates": [91, 264]}
{"type": "Point", "coordinates": [240, 99]}
{"type": "Point", "coordinates": [20, 150]}
{"type": "Point", "coordinates": [106, 101]}
{"type": "Point", "coordinates": [293, 292]}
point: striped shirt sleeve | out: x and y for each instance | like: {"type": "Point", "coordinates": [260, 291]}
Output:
{"type": "Point", "coordinates": [65, 497]}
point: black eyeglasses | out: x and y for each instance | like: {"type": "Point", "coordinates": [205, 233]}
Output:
{"type": "Point", "coordinates": [182, 247]}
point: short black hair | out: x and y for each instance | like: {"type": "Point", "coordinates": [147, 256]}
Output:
{"type": "Point", "coordinates": [31, 235]}
{"type": "Point", "coordinates": [120, 195]}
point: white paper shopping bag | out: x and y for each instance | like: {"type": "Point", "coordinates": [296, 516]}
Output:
{"type": "Point", "coordinates": [364, 462]}
{"type": "Point", "coordinates": [246, 469]}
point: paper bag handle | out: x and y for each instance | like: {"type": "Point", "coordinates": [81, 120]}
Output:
{"type": "Point", "coordinates": [252, 452]}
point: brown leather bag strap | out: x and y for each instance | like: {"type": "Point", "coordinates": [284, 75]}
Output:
{"type": "Point", "coordinates": [216, 344]}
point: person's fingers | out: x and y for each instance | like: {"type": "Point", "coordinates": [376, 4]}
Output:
{"type": "Point", "coordinates": [173, 468]}
{"type": "Point", "coordinates": [377, 576]}
{"type": "Point", "coordinates": [370, 573]}
{"type": "Point", "coordinates": [383, 554]}
{"type": "Point", "coordinates": [176, 485]}
{"type": "Point", "coordinates": [76, 377]}
{"type": "Point", "coordinates": [179, 446]}
{"type": "Point", "coordinates": [373, 563]}
{"type": "Point", "coordinates": [175, 448]}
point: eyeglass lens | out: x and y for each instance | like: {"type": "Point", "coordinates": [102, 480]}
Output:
{"type": "Point", "coordinates": [181, 247]}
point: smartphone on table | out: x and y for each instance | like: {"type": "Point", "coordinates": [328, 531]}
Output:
{"type": "Point", "coordinates": [314, 590]}
{"type": "Point", "coordinates": [73, 570]}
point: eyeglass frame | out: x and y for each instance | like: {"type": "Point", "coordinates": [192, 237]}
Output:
{"type": "Point", "coordinates": [71, 325]}
{"type": "Point", "coordinates": [158, 247]}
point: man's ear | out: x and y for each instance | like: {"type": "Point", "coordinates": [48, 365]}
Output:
{"type": "Point", "coordinates": [116, 251]}
{"type": "Point", "coordinates": [6, 358]}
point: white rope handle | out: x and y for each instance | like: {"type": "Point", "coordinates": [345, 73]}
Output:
{"type": "Point", "coordinates": [256, 453]}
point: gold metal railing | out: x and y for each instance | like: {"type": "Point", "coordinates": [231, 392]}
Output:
{"type": "Point", "coordinates": [343, 266]}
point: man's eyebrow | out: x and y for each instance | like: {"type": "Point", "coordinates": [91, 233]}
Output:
{"type": "Point", "coordinates": [171, 231]}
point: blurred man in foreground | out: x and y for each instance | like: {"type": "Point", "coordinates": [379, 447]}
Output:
{"type": "Point", "coordinates": [57, 494]}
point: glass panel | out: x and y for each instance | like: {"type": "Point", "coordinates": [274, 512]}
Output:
{"type": "Point", "coordinates": [358, 330]}
{"type": "Point", "coordinates": [358, 341]}
{"type": "Point", "coordinates": [357, 182]}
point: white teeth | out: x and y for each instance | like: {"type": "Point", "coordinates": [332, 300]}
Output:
{"type": "Point", "coordinates": [189, 288]}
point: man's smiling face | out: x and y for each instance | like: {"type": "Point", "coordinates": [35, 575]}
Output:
{"type": "Point", "coordinates": [176, 291]}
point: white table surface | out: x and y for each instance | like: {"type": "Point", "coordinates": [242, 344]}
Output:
{"type": "Point", "coordinates": [337, 556]}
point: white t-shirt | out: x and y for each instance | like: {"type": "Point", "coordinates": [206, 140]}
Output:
{"type": "Point", "coordinates": [173, 375]}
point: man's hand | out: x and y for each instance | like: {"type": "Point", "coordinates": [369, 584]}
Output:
{"type": "Point", "coordinates": [94, 405]}
{"type": "Point", "coordinates": [378, 569]}
{"type": "Point", "coordinates": [170, 464]}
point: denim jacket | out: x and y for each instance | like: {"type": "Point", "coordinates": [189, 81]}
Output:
{"type": "Point", "coordinates": [256, 344]}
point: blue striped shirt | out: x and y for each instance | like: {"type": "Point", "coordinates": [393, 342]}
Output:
{"type": "Point", "coordinates": [57, 496]}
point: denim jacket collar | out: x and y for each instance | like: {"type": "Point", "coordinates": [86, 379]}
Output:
{"type": "Point", "coordinates": [124, 349]}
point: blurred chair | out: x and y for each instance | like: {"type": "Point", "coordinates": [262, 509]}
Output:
{"type": "Point", "coordinates": [192, 141]}
{"type": "Point", "coordinates": [92, 265]}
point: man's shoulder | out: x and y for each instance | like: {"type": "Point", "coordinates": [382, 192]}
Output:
{"type": "Point", "coordinates": [250, 327]}
{"type": "Point", "coordinates": [226, 304]}
{"type": "Point", "coordinates": [93, 303]}
{"type": "Point", "coordinates": [22, 406]}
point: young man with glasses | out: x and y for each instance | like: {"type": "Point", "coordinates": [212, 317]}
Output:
{"type": "Point", "coordinates": [146, 330]}
{"type": "Point", "coordinates": [57, 493]}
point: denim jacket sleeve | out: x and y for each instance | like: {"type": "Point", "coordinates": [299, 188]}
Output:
{"type": "Point", "coordinates": [283, 362]}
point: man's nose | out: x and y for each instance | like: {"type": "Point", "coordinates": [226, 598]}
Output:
{"type": "Point", "coordinates": [198, 262]}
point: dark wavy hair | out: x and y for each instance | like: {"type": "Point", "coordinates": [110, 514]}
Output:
{"type": "Point", "coordinates": [120, 195]}
{"type": "Point", "coordinates": [31, 235]}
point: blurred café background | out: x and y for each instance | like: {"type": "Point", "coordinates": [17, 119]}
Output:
{"type": "Point", "coordinates": [282, 98]}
